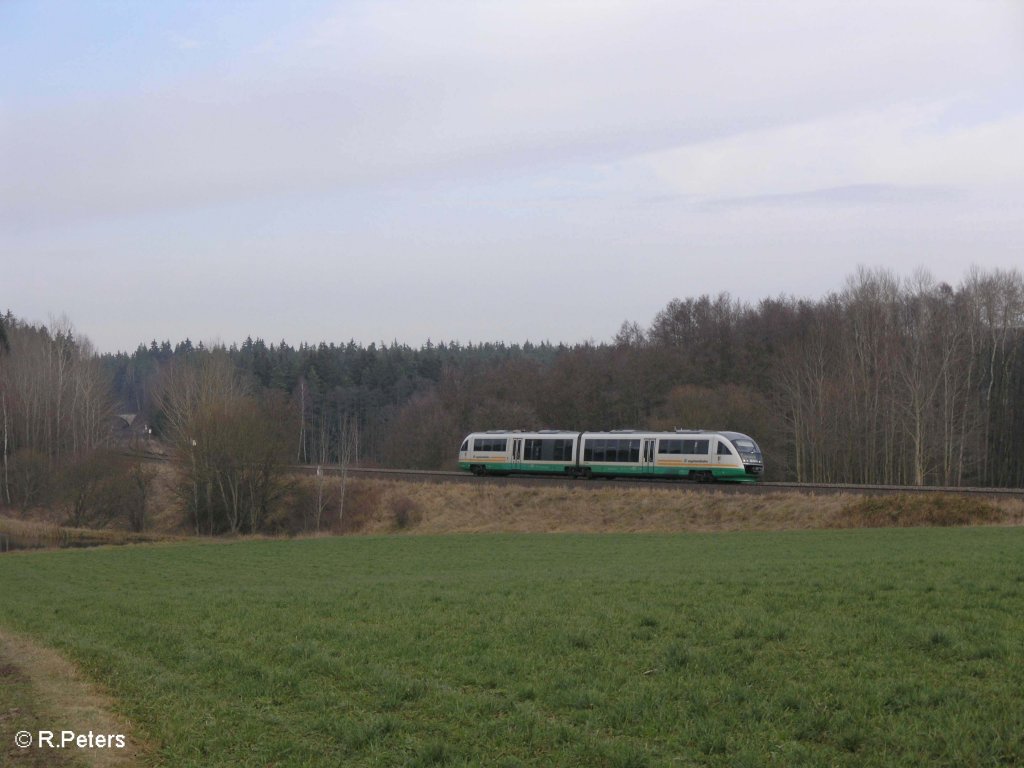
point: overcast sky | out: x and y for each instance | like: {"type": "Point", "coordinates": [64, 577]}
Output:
{"type": "Point", "coordinates": [477, 170]}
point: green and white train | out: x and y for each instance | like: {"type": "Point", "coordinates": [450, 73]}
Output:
{"type": "Point", "coordinates": [697, 455]}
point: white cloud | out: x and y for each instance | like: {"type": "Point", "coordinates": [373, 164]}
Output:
{"type": "Point", "coordinates": [900, 146]}
{"type": "Point", "coordinates": [388, 93]}
{"type": "Point", "coordinates": [182, 42]}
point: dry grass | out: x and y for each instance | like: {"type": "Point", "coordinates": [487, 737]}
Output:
{"type": "Point", "coordinates": [401, 506]}
{"type": "Point", "coordinates": [945, 509]}
{"type": "Point", "coordinates": [33, 534]}
{"type": "Point", "coordinates": [387, 506]}
{"type": "Point", "coordinates": [65, 701]}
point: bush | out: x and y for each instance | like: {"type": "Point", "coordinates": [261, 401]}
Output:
{"type": "Point", "coordinates": [407, 512]}
{"type": "Point", "coordinates": [905, 510]}
{"type": "Point", "coordinates": [30, 481]}
{"type": "Point", "coordinates": [362, 502]}
{"type": "Point", "coordinates": [101, 487]}
{"type": "Point", "coordinates": [297, 512]}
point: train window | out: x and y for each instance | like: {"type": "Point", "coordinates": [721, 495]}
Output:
{"type": "Point", "coordinates": [606, 450]}
{"type": "Point", "coordinates": [724, 449]}
{"type": "Point", "coordinates": [562, 450]}
{"type": "Point", "coordinates": [490, 444]}
{"type": "Point", "coordinates": [548, 450]}
{"type": "Point", "coordinates": [465, 445]}
{"type": "Point", "coordinates": [670, 446]}
{"type": "Point", "coordinates": [696, 446]}
{"type": "Point", "coordinates": [634, 450]}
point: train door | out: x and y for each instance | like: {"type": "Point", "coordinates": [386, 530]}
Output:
{"type": "Point", "coordinates": [647, 454]}
{"type": "Point", "coordinates": [724, 456]}
{"type": "Point", "coordinates": [517, 452]}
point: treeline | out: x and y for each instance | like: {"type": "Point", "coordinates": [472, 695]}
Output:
{"type": "Point", "coordinates": [56, 406]}
{"type": "Point", "coordinates": [890, 380]}
{"type": "Point", "coordinates": [908, 382]}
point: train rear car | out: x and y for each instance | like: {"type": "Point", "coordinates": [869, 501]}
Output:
{"type": "Point", "coordinates": [501, 452]}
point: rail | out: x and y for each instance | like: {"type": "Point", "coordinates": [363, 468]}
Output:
{"type": "Point", "coordinates": [426, 475]}
{"type": "Point", "coordinates": [754, 488]}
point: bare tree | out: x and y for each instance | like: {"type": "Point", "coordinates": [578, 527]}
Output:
{"type": "Point", "coordinates": [137, 508]}
{"type": "Point", "coordinates": [303, 389]}
{"type": "Point", "coordinates": [230, 443]}
{"type": "Point", "coordinates": [6, 448]}
{"type": "Point", "coordinates": [348, 450]}
{"type": "Point", "coordinates": [321, 455]}
{"type": "Point", "coordinates": [55, 397]}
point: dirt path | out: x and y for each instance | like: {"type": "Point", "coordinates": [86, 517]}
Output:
{"type": "Point", "coordinates": [48, 693]}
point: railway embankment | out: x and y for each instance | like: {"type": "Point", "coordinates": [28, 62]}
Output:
{"type": "Point", "coordinates": [376, 506]}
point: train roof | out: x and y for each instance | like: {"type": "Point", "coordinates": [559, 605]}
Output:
{"type": "Point", "coordinates": [661, 433]}
{"type": "Point", "coordinates": [525, 432]}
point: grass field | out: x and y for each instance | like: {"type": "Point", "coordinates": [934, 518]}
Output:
{"type": "Point", "coordinates": [866, 647]}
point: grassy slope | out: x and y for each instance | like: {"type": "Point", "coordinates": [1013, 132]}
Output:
{"type": "Point", "coordinates": [895, 647]}
{"type": "Point", "coordinates": [597, 507]}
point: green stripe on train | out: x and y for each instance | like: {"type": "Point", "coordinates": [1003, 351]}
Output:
{"type": "Point", "coordinates": [737, 474]}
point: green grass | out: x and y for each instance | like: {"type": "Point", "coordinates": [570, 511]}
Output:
{"type": "Point", "coordinates": [876, 647]}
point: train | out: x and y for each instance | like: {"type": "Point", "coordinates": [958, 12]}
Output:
{"type": "Point", "coordinates": [690, 454]}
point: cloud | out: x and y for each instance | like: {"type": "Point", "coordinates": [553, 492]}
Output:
{"type": "Point", "coordinates": [851, 195]}
{"type": "Point", "coordinates": [781, 98]}
{"type": "Point", "coordinates": [873, 154]}
{"type": "Point", "coordinates": [183, 43]}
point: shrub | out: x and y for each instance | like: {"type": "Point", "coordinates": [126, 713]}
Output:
{"type": "Point", "coordinates": [406, 511]}
{"type": "Point", "coordinates": [362, 501]}
{"type": "Point", "coordinates": [906, 510]}
{"type": "Point", "coordinates": [30, 479]}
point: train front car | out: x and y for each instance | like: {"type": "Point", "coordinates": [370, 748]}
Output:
{"type": "Point", "coordinates": [749, 454]}
{"type": "Point", "coordinates": [694, 454]}
{"type": "Point", "coordinates": [529, 453]}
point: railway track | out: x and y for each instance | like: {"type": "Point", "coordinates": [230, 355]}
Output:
{"type": "Point", "coordinates": [597, 483]}
{"type": "Point", "coordinates": [441, 476]}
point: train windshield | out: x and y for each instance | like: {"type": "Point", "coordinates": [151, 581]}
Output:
{"type": "Point", "coordinates": [746, 445]}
